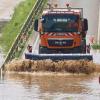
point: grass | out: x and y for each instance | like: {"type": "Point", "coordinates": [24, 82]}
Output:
{"type": "Point", "coordinates": [11, 30]}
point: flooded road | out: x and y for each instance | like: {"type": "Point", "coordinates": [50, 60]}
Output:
{"type": "Point", "coordinates": [49, 87]}
{"type": "Point", "coordinates": [52, 87]}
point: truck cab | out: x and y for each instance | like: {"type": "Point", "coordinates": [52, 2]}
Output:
{"type": "Point", "coordinates": [62, 30]}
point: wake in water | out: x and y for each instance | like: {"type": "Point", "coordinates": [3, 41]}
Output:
{"type": "Point", "coordinates": [71, 66]}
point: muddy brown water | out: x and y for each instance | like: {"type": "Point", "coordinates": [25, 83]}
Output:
{"type": "Point", "coordinates": [49, 87]}
{"type": "Point", "coordinates": [52, 87]}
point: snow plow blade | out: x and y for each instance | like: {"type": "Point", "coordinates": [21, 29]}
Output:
{"type": "Point", "coordinates": [58, 56]}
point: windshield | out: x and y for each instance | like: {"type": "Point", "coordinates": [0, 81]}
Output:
{"type": "Point", "coordinates": [60, 23]}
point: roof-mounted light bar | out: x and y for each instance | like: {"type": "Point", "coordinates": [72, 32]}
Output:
{"type": "Point", "coordinates": [55, 9]}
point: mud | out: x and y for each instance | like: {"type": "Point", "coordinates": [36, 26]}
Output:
{"type": "Point", "coordinates": [70, 66]}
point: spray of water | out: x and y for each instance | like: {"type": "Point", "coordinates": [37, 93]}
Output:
{"type": "Point", "coordinates": [70, 66]}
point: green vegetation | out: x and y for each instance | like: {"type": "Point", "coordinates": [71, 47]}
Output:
{"type": "Point", "coordinates": [13, 27]}
{"type": "Point", "coordinates": [96, 46]}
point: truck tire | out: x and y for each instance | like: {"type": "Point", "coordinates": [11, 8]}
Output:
{"type": "Point", "coordinates": [43, 50]}
{"type": "Point", "coordinates": [77, 50]}
{"type": "Point", "coordinates": [88, 48]}
{"type": "Point", "coordinates": [83, 46]}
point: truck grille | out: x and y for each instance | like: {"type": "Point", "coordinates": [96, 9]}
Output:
{"type": "Point", "coordinates": [60, 43]}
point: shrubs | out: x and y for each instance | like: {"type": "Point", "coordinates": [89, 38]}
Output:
{"type": "Point", "coordinates": [70, 66]}
{"type": "Point", "coordinates": [96, 46]}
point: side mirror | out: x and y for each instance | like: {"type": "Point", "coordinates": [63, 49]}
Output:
{"type": "Point", "coordinates": [43, 20]}
{"type": "Point", "coordinates": [36, 25]}
{"type": "Point", "coordinates": [85, 25]}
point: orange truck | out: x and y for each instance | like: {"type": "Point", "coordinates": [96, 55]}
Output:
{"type": "Point", "coordinates": [62, 31]}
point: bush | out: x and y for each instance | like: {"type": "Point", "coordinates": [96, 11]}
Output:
{"type": "Point", "coordinates": [96, 46]}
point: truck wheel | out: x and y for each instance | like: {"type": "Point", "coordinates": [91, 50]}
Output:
{"type": "Point", "coordinates": [43, 50]}
{"type": "Point", "coordinates": [78, 50]}
{"type": "Point", "coordinates": [83, 46]}
{"type": "Point", "coordinates": [88, 48]}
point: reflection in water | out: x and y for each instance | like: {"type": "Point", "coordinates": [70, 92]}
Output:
{"type": "Point", "coordinates": [49, 87]}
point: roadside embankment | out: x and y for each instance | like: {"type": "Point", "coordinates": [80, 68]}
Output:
{"type": "Point", "coordinates": [2, 24]}
{"type": "Point", "coordinates": [70, 66]}
{"type": "Point", "coordinates": [12, 28]}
